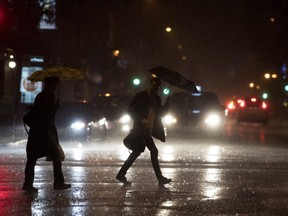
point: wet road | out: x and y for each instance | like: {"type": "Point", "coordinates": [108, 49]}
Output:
{"type": "Point", "coordinates": [242, 172]}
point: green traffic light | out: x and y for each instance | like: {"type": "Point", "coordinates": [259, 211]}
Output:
{"type": "Point", "coordinates": [286, 88]}
{"type": "Point", "coordinates": [166, 91]}
{"type": "Point", "coordinates": [136, 81]}
{"type": "Point", "coordinates": [265, 95]}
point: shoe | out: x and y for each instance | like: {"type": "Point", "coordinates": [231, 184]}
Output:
{"type": "Point", "coordinates": [164, 180]}
{"type": "Point", "coordinates": [62, 186]}
{"type": "Point", "coordinates": [123, 179]}
{"type": "Point", "coordinates": [29, 189]}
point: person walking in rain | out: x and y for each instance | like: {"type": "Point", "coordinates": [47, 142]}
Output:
{"type": "Point", "coordinates": [43, 137]}
{"type": "Point", "coordinates": [146, 111]}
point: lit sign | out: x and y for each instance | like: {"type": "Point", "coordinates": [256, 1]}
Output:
{"type": "Point", "coordinates": [29, 89]}
{"type": "Point", "coordinates": [35, 59]}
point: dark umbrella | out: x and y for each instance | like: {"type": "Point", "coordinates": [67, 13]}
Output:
{"type": "Point", "coordinates": [174, 78]}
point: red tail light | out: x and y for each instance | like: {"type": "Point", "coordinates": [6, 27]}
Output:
{"type": "Point", "coordinates": [264, 105]}
{"type": "Point", "coordinates": [239, 101]}
{"type": "Point", "coordinates": [242, 104]}
{"type": "Point", "coordinates": [231, 105]}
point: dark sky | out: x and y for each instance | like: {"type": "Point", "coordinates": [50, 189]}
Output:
{"type": "Point", "coordinates": [227, 43]}
{"type": "Point", "coordinates": [222, 39]}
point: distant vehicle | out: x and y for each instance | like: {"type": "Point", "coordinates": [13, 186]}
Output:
{"type": "Point", "coordinates": [79, 120]}
{"type": "Point", "coordinates": [252, 109]}
{"type": "Point", "coordinates": [232, 106]}
{"type": "Point", "coordinates": [114, 109]}
{"type": "Point", "coordinates": [197, 111]}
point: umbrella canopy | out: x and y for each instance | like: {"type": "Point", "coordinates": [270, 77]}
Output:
{"type": "Point", "coordinates": [174, 78]}
{"type": "Point", "coordinates": [63, 73]}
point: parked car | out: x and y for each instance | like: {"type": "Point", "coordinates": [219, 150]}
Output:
{"type": "Point", "coordinates": [197, 111]}
{"type": "Point", "coordinates": [253, 109]}
{"type": "Point", "coordinates": [79, 120]}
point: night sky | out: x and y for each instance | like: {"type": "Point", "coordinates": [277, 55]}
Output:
{"type": "Point", "coordinates": [227, 43]}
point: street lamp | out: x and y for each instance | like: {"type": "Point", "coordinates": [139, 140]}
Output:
{"type": "Point", "coordinates": [116, 53]}
{"type": "Point", "coordinates": [267, 76]}
{"type": "Point", "coordinates": [168, 29]}
{"type": "Point", "coordinates": [12, 64]}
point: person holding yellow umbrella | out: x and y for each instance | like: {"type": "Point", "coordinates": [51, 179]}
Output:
{"type": "Point", "coordinates": [43, 137]}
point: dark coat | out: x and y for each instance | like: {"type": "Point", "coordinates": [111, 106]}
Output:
{"type": "Point", "coordinates": [44, 109]}
{"type": "Point", "coordinates": [138, 110]}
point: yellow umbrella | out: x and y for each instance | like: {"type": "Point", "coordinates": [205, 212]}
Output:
{"type": "Point", "coordinates": [63, 73]}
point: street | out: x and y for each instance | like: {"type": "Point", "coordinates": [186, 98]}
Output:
{"type": "Point", "coordinates": [243, 172]}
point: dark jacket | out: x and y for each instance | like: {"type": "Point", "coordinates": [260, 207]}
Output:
{"type": "Point", "coordinates": [44, 109]}
{"type": "Point", "coordinates": [138, 110]}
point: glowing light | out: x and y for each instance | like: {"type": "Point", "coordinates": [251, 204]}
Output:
{"type": "Point", "coordinates": [213, 119]}
{"type": "Point", "coordinates": [231, 105]}
{"type": "Point", "coordinates": [125, 119]}
{"type": "Point", "coordinates": [136, 81]}
{"type": "Point", "coordinates": [77, 125]}
{"type": "Point", "coordinates": [168, 29]}
{"type": "Point", "coordinates": [169, 119]}
{"type": "Point", "coordinates": [166, 91]}
{"type": "Point", "coordinates": [116, 53]}
{"type": "Point", "coordinates": [12, 64]}
{"type": "Point", "coordinates": [126, 128]}
{"type": "Point", "coordinates": [267, 76]}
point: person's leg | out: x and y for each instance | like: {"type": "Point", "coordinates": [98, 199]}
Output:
{"type": "Point", "coordinates": [55, 153]}
{"type": "Point", "coordinates": [127, 164]}
{"type": "Point", "coordinates": [154, 156]}
{"type": "Point", "coordinates": [57, 170]}
{"type": "Point", "coordinates": [29, 175]}
{"type": "Point", "coordinates": [155, 162]}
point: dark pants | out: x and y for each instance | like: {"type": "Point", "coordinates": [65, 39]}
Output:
{"type": "Point", "coordinates": [57, 169]}
{"type": "Point", "coordinates": [149, 143]}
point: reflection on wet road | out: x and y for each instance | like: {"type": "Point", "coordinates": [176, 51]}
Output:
{"type": "Point", "coordinates": [244, 172]}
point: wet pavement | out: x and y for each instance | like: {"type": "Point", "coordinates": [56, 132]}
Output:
{"type": "Point", "coordinates": [246, 174]}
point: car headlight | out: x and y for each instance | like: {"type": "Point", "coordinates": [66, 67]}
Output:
{"type": "Point", "coordinates": [125, 119]}
{"type": "Point", "coordinates": [213, 119]}
{"type": "Point", "coordinates": [102, 122]}
{"type": "Point", "coordinates": [78, 125]}
{"type": "Point", "coordinates": [169, 120]}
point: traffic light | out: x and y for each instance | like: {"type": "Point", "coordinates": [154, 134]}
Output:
{"type": "Point", "coordinates": [286, 87]}
{"type": "Point", "coordinates": [166, 91]}
{"type": "Point", "coordinates": [136, 81]}
{"type": "Point", "coordinates": [265, 95]}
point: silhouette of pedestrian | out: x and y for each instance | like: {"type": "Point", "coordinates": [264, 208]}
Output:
{"type": "Point", "coordinates": [146, 111]}
{"type": "Point", "coordinates": [43, 137]}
